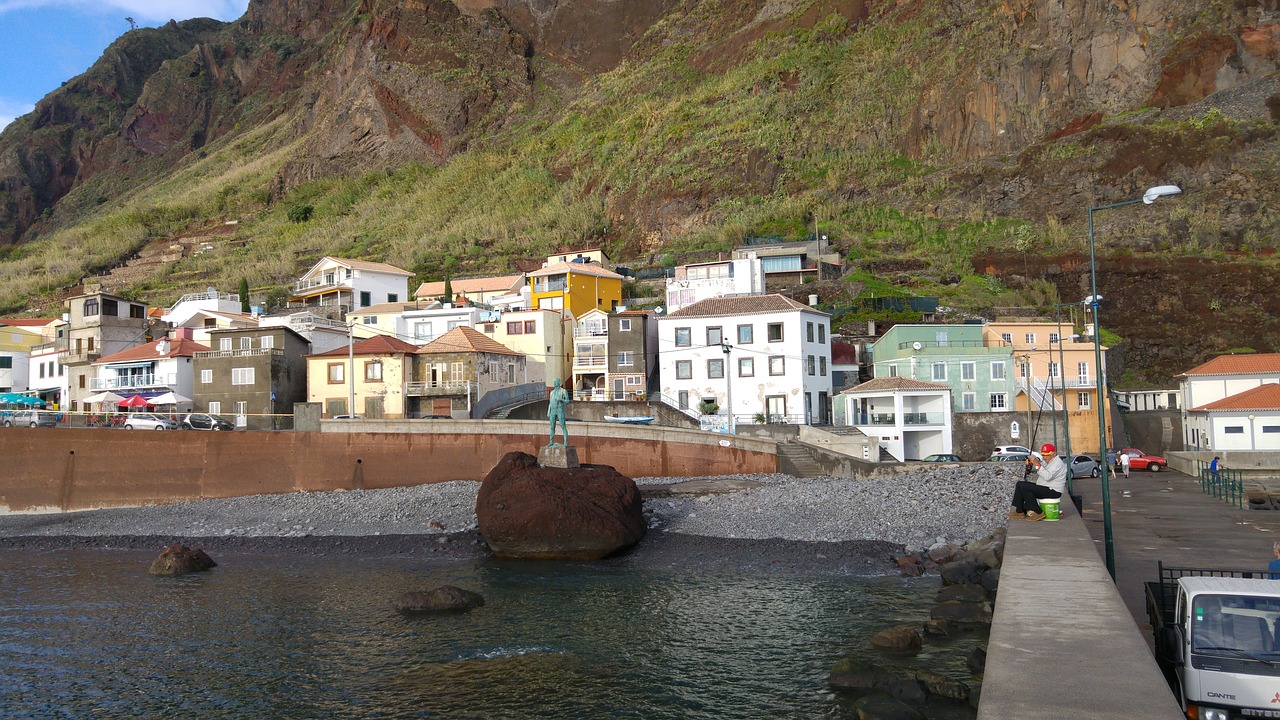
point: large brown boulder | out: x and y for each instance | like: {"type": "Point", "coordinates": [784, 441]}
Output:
{"type": "Point", "coordinates": [446, 598]}
{"type": "Point", "coordinates": [525, 511]}
{"type": "Point", "coordinates": [179, 559]}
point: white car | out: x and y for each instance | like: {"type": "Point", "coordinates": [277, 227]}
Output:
{"type": "Point", "coordinates": [148, 421]}
{"type": "Point", "coordinates": [1011, 450]}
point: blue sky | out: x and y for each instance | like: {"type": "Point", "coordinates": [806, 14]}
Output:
{"type": "Point", "coordinates": [46, 42]}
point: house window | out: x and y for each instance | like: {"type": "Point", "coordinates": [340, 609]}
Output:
{"type": "Point", "coordinates": [940, 371]}
{"type": "Point", "coordinates": [893, 371]}
{"type": "Point", "coordinates": [206, 376]}
{"type": "Point", "coordinates": [137, 312]}
{"type": "Point", "coordinates": [997, 370]}
{"type": "Point", "coordinates": [110, 308]}
{"type": "Point", "coordinates": [373, 371]}
{"type": "Point", "coordinates": [746, 367]}
{"type": "Point", "coordinates": [941, 338]}
{"type": "Point", "coordinates": [1234, 430]}
{"type": "Point", "coordinates": [457, 372]}
{"type": "Point", "coordinates": [683, 337]}
{"type": "Point", "coordinates": [422, 331]}
{"type": "Point", "coordinates": [530, 327]}
{"type": "Point", "coordinates": [968, 401]}
{"type": "Point", "coordinates": [633, 380]}
{"type": "Point", "coordinates": [777, 365]}
{"type": "Point", "coordinates": [808, 331]}
{"type": "Point", "coordinates": [515, 328]}
{"type": "Point", "coordinates": [242, 376]}
{"type": "Point", "coordinates": [775, 332]}
{"type": "Point", "coordinates": [746, 334]}
{"type": "Point", "coordinates": [210, 323]}
{"type": "Point", "coordinates": [369, 320]}
{"type": "Point", "coordinates": [487, 328]}
{"type": "Point", "coordinates": [822, 334]}
{"type": "Point", "coordinates": [715, 368]}
{"type": "Point", "coordinates": [457, 324]}
{"type": "Point", "coordinates": [337, 373]}
{"type": "Point", "coordinates": [224, 343]}
{"type": "Point", "coordinates": [1084, 400]}
{"type": "Point", "coordinates": [1053, 369]}
{"type": "Point", "coordinates": [968, 371]}
{"type": "Point", "coordinates": [1082, 371]}
{"type": "Point", "coordinates": [8, 362]}
{"type": "Point", "coordinates": [82, 378]}
{"type": "Point", "coordinates": [682, 399]}
{"type": "Point", "coordinates": [266, 342]}
{"type": "Point", "coordinates": [1007, 337]}
{"type": "Point", "coordinates": [215, 407]}
{"type": "Point", "coordinates": [393, 297]}
{"type": "Point", "coordinates": [1053, 338]}
{"type": "Point", "coordinates": [684, 369]}
{"type": "Point", "coordinates": [91, 307]}
{"type": "Point", "coordinates": [715, 336]}
{"type": "Point", "coordinates": [246, 343]}
{"type": "Point", "coordinates": [511, 373]}
{"type": "Point", "coordinates": [810, 366]}
{"type": "Point", "coordinates": [626, 358]}
{"type": "Point", "coordinates": [1024, 369]}
{"type": "Point", "coordinates": [997, 401]}
{"type": "Point", "coordinates": [822, 365]}
{"type": "Point", "coordinates": [366, 298]}
{"type": "Point", "coordinates": [1031, 338]}
{"type": "Point", "coordinates": [1271, 428]}
{"type": "Point", "coordinates": [624, 325]}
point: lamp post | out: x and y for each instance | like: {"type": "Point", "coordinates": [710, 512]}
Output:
{"type": "Point", "coordinates": [728, 386]}
{"type": "Point", "coordinates": [1150, 196]}
{"type": "Point", "coordinates": [351, 372]}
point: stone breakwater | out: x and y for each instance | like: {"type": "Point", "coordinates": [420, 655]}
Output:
{"type": "Point", "coordinates": [920, 509]}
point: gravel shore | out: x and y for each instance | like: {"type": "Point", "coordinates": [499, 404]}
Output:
{"type": "Point", "coordinates": [832, 523]}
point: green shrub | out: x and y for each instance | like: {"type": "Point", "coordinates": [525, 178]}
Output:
{"type": "Point", "coordinates": [300, 213]}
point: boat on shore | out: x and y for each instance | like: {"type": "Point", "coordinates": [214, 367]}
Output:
{"type": "Point", "coordinates": [630, 420]}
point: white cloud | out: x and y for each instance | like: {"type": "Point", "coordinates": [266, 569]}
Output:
{"type": "Point", "coordinates": [144, 11]}
{"type": "Point", "coordinates": [10, 110]}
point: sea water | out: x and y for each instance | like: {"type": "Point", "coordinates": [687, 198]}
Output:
{"type": "Point", "coordinates": [89, 634]}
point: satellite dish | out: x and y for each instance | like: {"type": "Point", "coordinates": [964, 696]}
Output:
{"type": "Point", "coordinates": [916, 345]}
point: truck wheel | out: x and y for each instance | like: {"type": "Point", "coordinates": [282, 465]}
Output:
{"type": "Point", "coordinates": [1155, 467]}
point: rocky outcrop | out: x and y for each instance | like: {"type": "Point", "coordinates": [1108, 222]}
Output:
{"type": "Point", "coordinates": [445, 598]}
{"type": "Point", "coordinates": [179, 559]}
{"type": "Point", "coordinates": [900, 638]}
{"type": "Point", "coordinates": [526, 511]}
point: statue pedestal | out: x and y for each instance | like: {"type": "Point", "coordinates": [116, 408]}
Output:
{"type": "Point", "coordinates": [558, 456]}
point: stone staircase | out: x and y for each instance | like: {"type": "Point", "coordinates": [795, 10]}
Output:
{"type": "Point", "coordinates": [794, 458]}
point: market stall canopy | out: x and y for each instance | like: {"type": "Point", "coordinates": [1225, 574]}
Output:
{"type": "Point", "coordinates": [134, 401]}
{"type": "Point", "coordinates": [19, 399]}
{"type": "Point", "coordinates": [104, 397]}
{"type": "Point", "coordinates": [169, 398]}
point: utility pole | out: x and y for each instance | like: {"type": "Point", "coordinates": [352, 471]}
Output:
{"type": "Point", "coordinates": [728, 381]}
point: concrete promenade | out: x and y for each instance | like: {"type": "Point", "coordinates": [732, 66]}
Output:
{"type": "Point", "coordinates": [1062, 643]}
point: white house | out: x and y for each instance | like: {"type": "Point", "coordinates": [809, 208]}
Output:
{"type": "Point", "coordinates": [149, 370]}
{"type": "Point", "coordinates": [323, 333]}
{"type": "Point", "coordinates": [423, 326]}
{"type": "Point", "coordinates": [219, 302]}
{"type": "Point", "coordinates": [912, 418]}
{"type": "Point", "coordinates": [777, 352]}
{"type": "Point", "coordinates": [1224, 403]}
{"type": "Point", "coordinates": [700, 281]}
{"type": "Point", "coordinates": [350, 284]}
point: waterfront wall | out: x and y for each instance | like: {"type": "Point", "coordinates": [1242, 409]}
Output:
{"type": "Point", "coordinates": [76, 469]}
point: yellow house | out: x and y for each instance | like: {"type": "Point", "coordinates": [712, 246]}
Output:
{"type": "Point", "coordinates": [1054, 370]}
{"type": "Point", "coordinates": [382, 367]}
{"type": "Point", "coordinates": [576, 287]}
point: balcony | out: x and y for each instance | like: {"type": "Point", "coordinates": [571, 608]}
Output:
{"type": "Point", "coordinates": [891, 419]}
{"type": "Point", "coordinates": [314, 285]}
{"type": "Point", "coordinates": [134, 382]}
{"type": "Point", "coordinates": [591, 332]}
{"type": "Point", "coordinates": [243, 352]}
{"type": "Point", "coordinates": [438, 388]}
{"type": "Point", "coordinates": [590, 362]}
{"type": "Point", "coordinates": [81, 357]}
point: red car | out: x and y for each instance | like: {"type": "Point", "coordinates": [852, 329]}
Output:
{"type": "Point", "coordinates": [1139, 460]}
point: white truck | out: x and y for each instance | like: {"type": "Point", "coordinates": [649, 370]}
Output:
{"type": "Point", "coordinates": [1215, 639]}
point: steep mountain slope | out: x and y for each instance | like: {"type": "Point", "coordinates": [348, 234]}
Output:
{"type": "Point", "coordinates": [947, 146]}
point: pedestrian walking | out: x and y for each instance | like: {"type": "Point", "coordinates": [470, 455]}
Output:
{"type": "Point", "coordinates": [1215, 467]}
{"type": "Point", "coordinates": [1273, 568]}
{"type": "Point", "coordinates": [1124, 463]}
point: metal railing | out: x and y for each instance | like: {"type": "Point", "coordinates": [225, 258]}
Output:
{"type": "Point", "coordinates": [437, 387]}
{"type": "Point", "coordinates": [133, 381]}
{"type": "Point", "coordinates": [240, 352]}
{"type": "Point", "coordinates": [197, 297]}
{"type": "Point", "coordinates": [338, 280]}
{"type": "Point", "coordinates": [583, 332]}
{"type": "Point", "coordinates": [580, 362]}
{"type": "Point", "coordinates": [1224, 483]}
{"type": "Point", "coordinates": [601, 395]}
{"type": "Point", "coordinates": [59, 345]}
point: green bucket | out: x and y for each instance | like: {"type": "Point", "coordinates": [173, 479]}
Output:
{"type": "Point", "coordinates": [1052, 509]}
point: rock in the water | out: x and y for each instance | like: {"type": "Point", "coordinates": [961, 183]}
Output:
{"type": "Point", "coordinates": [963, 593]}
{"type": "Point", "coordinates": [944, 687]}
{"type": "Point", "coordinates": [883, 707]}
{"type": "Point", "coordinates": [859, 677]}
{"type": "Point", "coordinates": [977, 660]}
{"type": "Point", "coordinates": [179, 560]}
{"type": "Point", "coordinates": [446, 598]}
{"type": "Point", "coordinates": [525, 511]}
{"type": "Point", "coordinates": [899, 637]}
{"type": "Point", "coordinates": [962, 612]}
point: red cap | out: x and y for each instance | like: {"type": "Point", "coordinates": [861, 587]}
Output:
{"type": "Point", "coordinates": [1048, 449]}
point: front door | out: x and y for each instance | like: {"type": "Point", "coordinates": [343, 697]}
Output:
{"type": "Point", "coordinates": [619, 388]}
{"type": "Point", "coordinates": [823, 415]}
{"type": "Point", "coordinates": [775, 406]}
{"type": "Point", "coordinates": [373, 408]}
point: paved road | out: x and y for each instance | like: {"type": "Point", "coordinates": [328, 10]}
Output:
{"type": "Point", "coordinates": [1165, 516]}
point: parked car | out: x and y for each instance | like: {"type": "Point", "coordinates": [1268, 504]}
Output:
{"type": "Point", "coordinates": [1139, 460]}
{"type": "Point", "coordinates": [1084, 466]}
{"type": "Point", "coordinates": [32, 418]}
{"type": "Point", "coordinates": [943, 457]}
{"type": "Point", "coordinates": [1011, 450]}
{"type": "Point", "coordinates": [148, 421]}
{"type": "Point", "coordinates": [347, 417]}
{"type": "Point", "coordinates": [1010, 457]}
{"type": "Point", "coordinates": [205, 421]}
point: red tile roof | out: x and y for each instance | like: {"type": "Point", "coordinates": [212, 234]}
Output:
{"type": "Point", "coordinates": [1263, 397]}
{"type": "Point", "coordinates": [575, 269]}
{"type": "Point", "coordinates": [27, 322]}
{"type": "Point", "coordinates": [180, 347]}
{"type": "Point", "coordinates": [888, 384]}
{"type": "Point", "coordinates": [465, 339]}
{"type": "Point", "coordinates": [1252, 364]}
{"type": "Point", "coordinates": [498, 283]}
{"type": "Point", "coordinates": [376, 345]}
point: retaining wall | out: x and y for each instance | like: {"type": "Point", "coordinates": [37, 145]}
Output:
{"type": "Point", "coordinates": [76, 469]}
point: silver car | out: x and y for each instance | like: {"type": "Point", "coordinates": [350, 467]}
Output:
{"type": "Point", "coordinates": [1084, 466]}
{"type": "Point", "coordinates": [32, 418]}
{"type": "Point", "coordinates": [148, 421]}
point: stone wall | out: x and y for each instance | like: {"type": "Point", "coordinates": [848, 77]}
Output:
{"type": "Point", "coordinates": [1155, 431]}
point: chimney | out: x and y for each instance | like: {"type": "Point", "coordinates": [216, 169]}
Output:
{"type": "Point", "coordinates": [871, 328]}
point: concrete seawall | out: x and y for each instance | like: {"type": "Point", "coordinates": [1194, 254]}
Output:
{"type": "Point", "coordinates": [1062, 641]}
{"type": "Point", "coordinates": [76, 469]}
